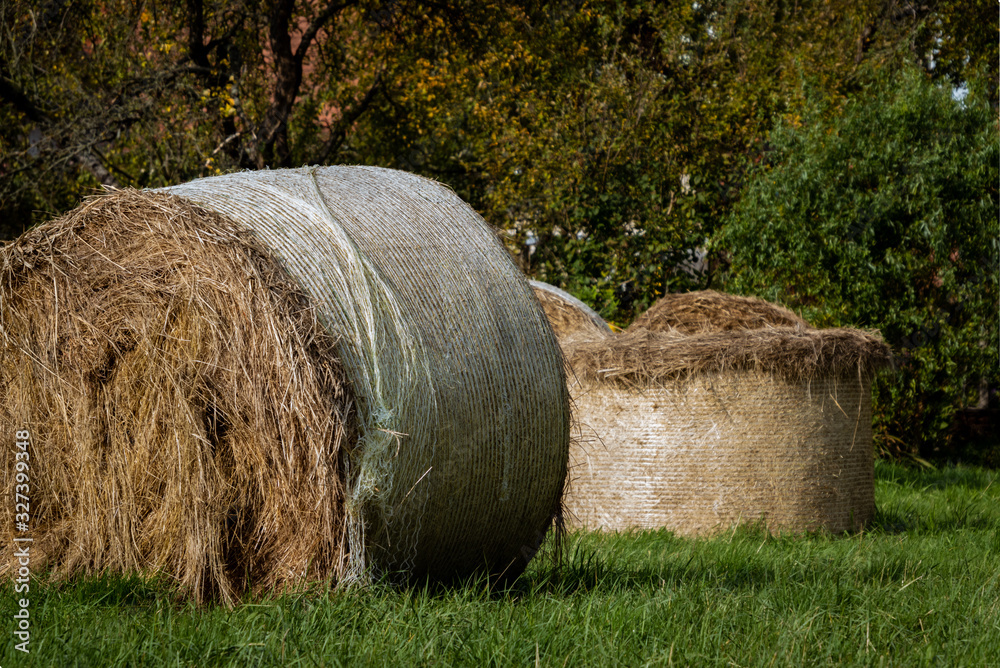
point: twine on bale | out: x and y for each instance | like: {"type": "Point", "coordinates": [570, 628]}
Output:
{"type": "Point", "coordinates": [703, 431]}
{"type": "Point", "coordinates": [435, 441]}
{"type": "Point", "coordinates": [569, 317]}
{"type": "Point", "coordinates": [722, 449]}
{"type": "Point", "coordinates": [711, 311]}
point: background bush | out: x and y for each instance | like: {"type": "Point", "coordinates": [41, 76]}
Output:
{"type": "Point", "coordinates": [884, 215]}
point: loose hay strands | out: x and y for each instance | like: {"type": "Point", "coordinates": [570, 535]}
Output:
{"type": "Point", "coordinates": [186, 409]}
{"type": "Point", "coordinates": [641, 358]}
{"type": "Point", "coordinates": [569, 317]}
{"type": "Point", "coordinates": [711, 311]}
{"type": "Point", "coordinates": [261, 378]}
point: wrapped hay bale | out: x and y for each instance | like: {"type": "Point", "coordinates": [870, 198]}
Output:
{"type": "Point", "coordinates": [569, 317]}
{"type": "Point", "coordinates": [257, 379]}
{"type": "Point", "coordinates": [711, 311]}
{"type": "Point", "coordinates": [701, 432]}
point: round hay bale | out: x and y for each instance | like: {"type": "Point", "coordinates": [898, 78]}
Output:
{"type": "Point", "coordinates": [258, 379]}
{"type": "Point", "coordinates": [570, 318]}
{"type": "Point", "coordinates": [711, 311]}
{"type": "Point", "coordinates": [701, 432]}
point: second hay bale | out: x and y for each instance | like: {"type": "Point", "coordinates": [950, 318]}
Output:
{"type": "Point", "coordinates": [570, 318]}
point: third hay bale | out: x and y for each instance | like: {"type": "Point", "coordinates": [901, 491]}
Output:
{"type": "Point", "coordinates": [711, 311]}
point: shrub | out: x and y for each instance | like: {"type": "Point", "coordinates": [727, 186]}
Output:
{"type": "Point", "coordinates": [884, 214]}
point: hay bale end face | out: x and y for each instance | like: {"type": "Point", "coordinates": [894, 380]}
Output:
{"type": "Point", "coordinates": [697, 433]}
{"type": "Point", "coordinates": [570, 318]}
{"type": "Point", "coordinates": [711, 311]}
{"type": "Point", "coordinates": [255, 380]}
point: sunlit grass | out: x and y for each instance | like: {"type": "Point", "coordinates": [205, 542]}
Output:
{"type": "Point", "coordinates": [920, 587]}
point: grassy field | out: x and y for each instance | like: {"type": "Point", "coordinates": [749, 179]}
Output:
{"type": "Point", "coordinates": [921, 587]}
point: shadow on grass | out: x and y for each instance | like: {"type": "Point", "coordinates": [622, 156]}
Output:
{"type": "Point", "coordinates": [921, 500]}
{"type": "Point", "coordinates": [585, 572]}
{"type": "Point", "coordinates": [898, 518]}
{"type": "Point", "coordinates": [105, 590]}
{"type": "Point", "coordinates": [918, 502]}
{"type": "Point", "coordinates": [940, 478]}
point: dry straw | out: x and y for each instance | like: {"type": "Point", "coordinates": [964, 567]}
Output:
{"type": "Point", "coordinates": [570, 318]}
{"type": "Point", "coordinates": [641, 358]}
{"type": "Point", "coordinates": [260, 379]}
{"type": "Point", "coordinates": [701, 431]}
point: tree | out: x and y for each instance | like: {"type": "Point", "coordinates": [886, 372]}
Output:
{"type": "Point", "coordinates": [885, 216]}
{"type": "Point", "coordinates": [609, 138]}
{"type": "Point", "coordinates": [148, 94]}
{"type": "Point", "coordinates": [957, 41]}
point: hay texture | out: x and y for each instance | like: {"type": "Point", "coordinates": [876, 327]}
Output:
{"type": "Point", "coordinates": [570, 318]}
{"type": "Point", "coordinates": [265, 378]}
{"type": "Point", "coordinates": [711, 311]}
{"type": "Point", "coordinates": [695, 433]}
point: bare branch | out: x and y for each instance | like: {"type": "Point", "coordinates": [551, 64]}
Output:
{"type": "Point", "coordinates": [321, 19]}
{"type": "Point", "coordinates": [93, 165]}
{"type": "Point", "coordinates": [339, 133]}
{"type": "Point", "coordinates": [13, 95]}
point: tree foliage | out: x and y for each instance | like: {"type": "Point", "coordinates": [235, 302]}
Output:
{"type": "Point", "coordinates": [152, 93]}
{"type": "Point", "coordinates": [885, 216]}
{"type": "Point", "coordinates": [608, 137]}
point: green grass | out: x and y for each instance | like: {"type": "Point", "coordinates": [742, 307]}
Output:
{"type": "Point", "coordinates": [921, 587]}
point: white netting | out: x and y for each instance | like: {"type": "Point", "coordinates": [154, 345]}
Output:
{"type": "Point", "coordinates": [443, 344]}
